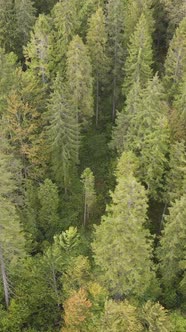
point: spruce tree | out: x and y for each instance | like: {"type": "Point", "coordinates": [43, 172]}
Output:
{"type": "Point", "coordinates": [172, 251]}
{"type": "Point", "coordinates": [175, 64]}
{"type": "Point", "coordinates": [96, 42]}
{"type": "Point", "coordinates": [138, 66]}
{"type": "Point", "coordinates": [122, 246]}
{"type": "Point", "coordinates": [63, 137]}
{"type": "Point", "coordinates": [65, 23]}
{"type": "Point", "coordinates": [116, 50]}
{"type": "Point", "coordinates": [79, 79]}
{"type": "Point", "coordinates": [37, 52]}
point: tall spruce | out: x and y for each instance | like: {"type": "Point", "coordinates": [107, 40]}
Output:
{"type": "Point", "coordinates": [79, 79]}
{"type": "Point", "coordinates": [172, 252]}
{"type": "Point", "coordinates": [122, 246]}
{"type": "Point", "coordinates": [96, 42]}
{"type": "Point", "coordinates": [138, 66]}
{"type": "Point", "coordinates": [63, 134]}
{"type": "Point", "coordinates": [116, 49]}
{"type": "Point", "coordinates": [175, 64]}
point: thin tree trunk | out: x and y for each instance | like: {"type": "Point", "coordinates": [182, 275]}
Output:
{"type": "Point", "coordinates": [85, 213]}
{"type": "Point", "coordinates": [4, 278]}
{"type": "Point", "coordinates": [97, 101]}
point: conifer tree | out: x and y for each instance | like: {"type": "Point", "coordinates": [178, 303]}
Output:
{"type": "Point", "coordinates": [48, 219]}
{"type": "Point", "coordinates": [79, 79]}
{"type": "Point", "coordinates": [176, 178]}
{"type": "Point", "coordinates": [139, 61]}
{"type": "Point", "coordinates": [63, 134]}
{"type": "Point", "coordinates": [96, 42]}
{"type": "Point", "coordinates": [88, 181]}
{"type": "Point", "coordinates": [122, 236]}
{"type": "Point", "coordinates": [37, 52]}
{"type": "Point", "coordinates": [65, 22]}
{"type": "Point", "coordinates": [134, 10]}
{"type": "Point", "coordinates": [11, 238]}
{"type": "Point", "coordinates": [117, 52]}
{"type": "Point", "coordinates": [178, 115]}
{"type": "Point", "coordinates": [143, 128]}
{"type": "Point", "coordinates": [175, 64]}
{"type": "Point", "coordinates": [172, 251]}
{"type": "Point", "coordinates": [7, 25]}
{"type": "Point", "coordinates": [8, 76]}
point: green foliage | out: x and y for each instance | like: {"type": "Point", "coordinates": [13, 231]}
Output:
{"type": "Point", "coordinates": [139, 61]}
{"type": "Point", "coordinates": [175, 64]}
{"type": "Point", "coordinates": [122, 235]}
{"type": "Point", "coordinates": [88, 181]}
{"type": "Point", "coordinates": [63, 134]}
{"type": "Point", "coordinates": [79, 78]}
{"type": "Point", "coordinates": [155, 318]}
{"type": "Point", "coordinates": [172, 251]}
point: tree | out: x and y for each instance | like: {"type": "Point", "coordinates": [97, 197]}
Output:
{"type": "Point", "coordinates": [77, 311]}
{"type": "Point", "coordinates": [154, 317]}
{"type": "Point", "coordinates": [96, 42]}
{"type": "Point", "coordinates": [134, 10]}
{"type": "Point", "coordinates": [176, 177]}
{"type": "Point", "coordinates": [143, 128]}
{"type": "Point", "coordinates": [116, 49]}
{"type": "Point", "coordinates": [176, 11]}
{"type": "Point", "coordinates": [7, 25]}
{"type": "Point", "coordinates": [24, 18]}
{"type": "Point", "coordinates": [88, 181]}
{"type": "Point", "coordinates": [139, 61]}
{"type": "Point", "coordinates": [178, 115]}
{"type": "Point", "coordinates": [175, 64]}
{"type": "Point", "coordinates": [8, 77]}
{"type": "Point", "coordinates": [171, 252]}
{"type": "Point", "coordinates": [11, 238]}
{"type": "Point", "coordinates": [122, 235]}
{"type": "Point", "coordinates": [65, 22]}
{"type": "Point", "coordinates": [63, 134]}
{"type": "Point", "coordinates": [37, 51]}
{"type": "Point", "coordinates": [119, 317]}
{"type": "Point", "coordinates": [79, 78]}
{"type": "Point", "coordinates": [48, 218]}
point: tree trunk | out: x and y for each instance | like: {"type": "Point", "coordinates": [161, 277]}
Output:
{"type": "Point", "coordinates": [4, 278]}
{"type": "Point", "coordinates": [97, 101]}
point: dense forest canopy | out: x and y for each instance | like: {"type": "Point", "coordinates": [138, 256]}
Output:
{"type": "Point", "coordinates": [93, 165]}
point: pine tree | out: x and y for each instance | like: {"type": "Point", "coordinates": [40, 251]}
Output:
{"type": "Point", "coordinates": [122, 235]}
{"type": "Point", "coordinates": [96, 42]}
{"type": "Point", "coordinates": [172, 251]}
{"type": "Point", "coordinates": [79, 78]}
{"type": "Point", "coordinates": [88, 181]}
{"type": "Point", "coordinates": [63, 134]}
{"type": "Point", "coordinates": [117, 52]}
{"type": "Point", "coordinates": [178, 115]}
{"type": "Point", "coordinates": [175, 64]}
{"type": "Point", "coordinates": [139, 61]}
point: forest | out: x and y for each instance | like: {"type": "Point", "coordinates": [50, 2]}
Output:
{"type": "Point", "coordinates": [93, 166]}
